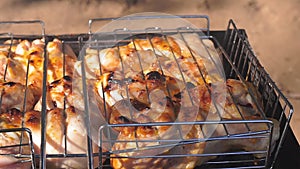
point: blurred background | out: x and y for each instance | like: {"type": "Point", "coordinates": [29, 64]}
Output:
{"type": "Point", "coordinates": [272, 27]}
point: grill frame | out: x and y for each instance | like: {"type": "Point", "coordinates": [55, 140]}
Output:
{"type": "Point", "coordinates": [233, 55]}
{"type": "Point", "coordinates": [268, 88]}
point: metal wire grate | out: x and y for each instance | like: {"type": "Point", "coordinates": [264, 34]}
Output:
{"type": "Point", "coordinates": [239, 62]}
{"type": "Point", "coordinates": [20, 135]}
{"type": "Point", "coordinates": [22, 150]}
{"type": "Point", "coordinates": [275, 104]}
{"type": "Point", "coordinates": [116, 37]}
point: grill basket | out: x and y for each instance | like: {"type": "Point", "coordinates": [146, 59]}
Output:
{"type": "Point", "coordinates": [239, 62]}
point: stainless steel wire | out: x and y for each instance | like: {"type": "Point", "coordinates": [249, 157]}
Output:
{"type": "Point", "coordinates": [240, 62]}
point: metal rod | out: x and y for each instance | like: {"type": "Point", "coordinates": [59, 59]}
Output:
{"type": "Point", "coordinates": [44, 110]}
{"type": "Point", "coordinates": [235, 55]}
{"type": "Point", "coordinates": [42, 24]}
{"type": "Point", "coordinates": [6, 66]}
{"type": "Point", "coordinates": [139, 17]}
{"type": "Point", "coordinates": [246, 58]}
{"type": "Point", "coordinates": [206, 84]}
{"type": "Point", "coordinates": [271, 84]}
{"type": "Point", "coordinates": [191, 123]}
{"type": "Point", "coordinates": [126, 85]}
{"type": "Point", "coordinates": [87, 116]}
{"type": "Point", "coordinates": [24, 100]}
{"type": "Point", "coordinates": [195, 155]}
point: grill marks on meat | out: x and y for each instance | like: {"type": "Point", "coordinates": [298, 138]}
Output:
{"type": "Point", "coordinates": [61, 60]}
{"type": "Point", "coordinates": [13, 96]}
{"type": "Point", "coordinates": [26, 61]}
{"type": "Point", "coordinates": [56, 94]}
{"type": "Point", "coordinates": [12, 70]}
{"type": "Point", "coordinates": [23, 60]}
{"type": "Point", "coordinates": [68, 92]}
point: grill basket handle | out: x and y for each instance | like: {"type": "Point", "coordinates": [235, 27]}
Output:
{"type": "Point", "coordinates": [206, 28]}
{"type": "Point", "coordinates": [26, 22]}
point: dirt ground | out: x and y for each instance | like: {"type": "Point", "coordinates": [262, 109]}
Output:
{"type": "Point", "coordinates": [272, 26]}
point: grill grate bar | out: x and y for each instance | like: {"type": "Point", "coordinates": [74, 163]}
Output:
{"type": "Point", "coordinates": [104, 98]}
{"type": "Point", "coordinates": [44, 111]}
{"type": "Point", "coordinates": [195, 155]}
{"type": "Point", "coordinates": [260, 134]}
{"type": "Point", "coordinates": [242, 52]}
{"type": "Point", "coordinates": [240, 77]}
{"type": "Point", "coordinates": [237, 107]}
{"type": "Point", "coordinates": [206, 84]}
{"type": "Point", "coordinates": [205, 28]}
{"type": "Point", "coordinates": [280, 97]}
{"type": "Point", "coordinates": [234, 52]}
{"type": "Point", "coordinates": [126, 86]}
{"type": "Point", "coordinates": [29, 144]}
{"type": "Point", "coordinates": [211, 122]}
{"type": "Point", "coordinates": [161, 69]}
{"type": "Point", "coordinates": [64, 108]}
{"type": "Point", "coordinates": [10, 36]}
{"type": "Point", "coordinates": [183, 79]}
{"type": "Point", "coordinates": [141, 67]}
{"type": "Point", "coordinates": [246, 60]}
{"type": "Point", "coordinates": [87, 119]}
{"type": "Point", "coordinates": [25, 99]}
{"type": "Point", "coordinates": [16, 23]}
